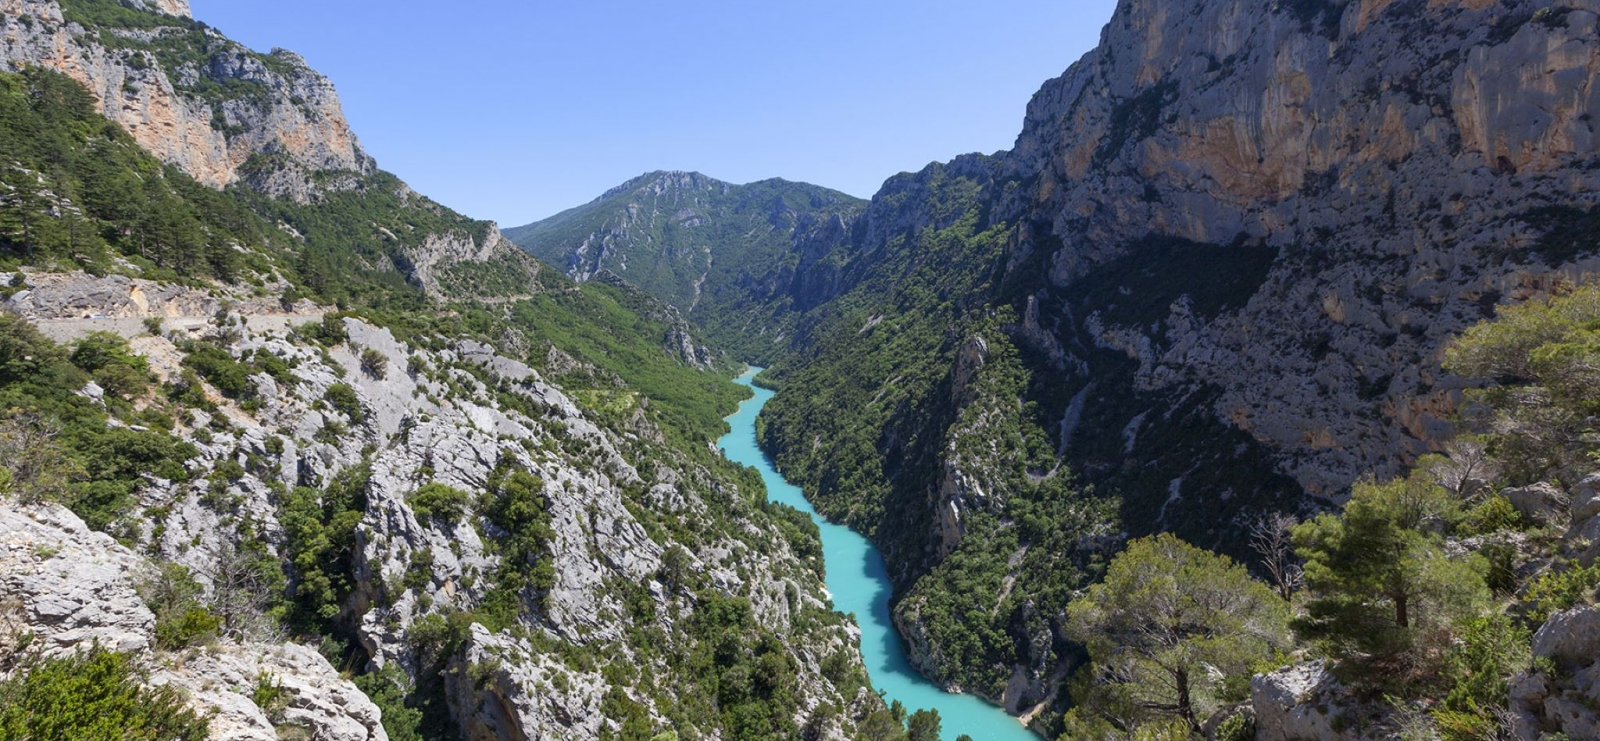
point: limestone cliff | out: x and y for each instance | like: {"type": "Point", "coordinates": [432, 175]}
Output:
{"type": "Point", "coordinates": [185, 92]}
{"type": "Point", "coordinates": [1390, 152]}
{"type": "Point", "coordinates": [1230, 243]}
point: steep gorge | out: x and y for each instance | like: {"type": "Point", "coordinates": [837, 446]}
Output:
{"type": "Point", "coordinates": [351, 453]}
{"type": "Point", "coordinates": [1211, 280]}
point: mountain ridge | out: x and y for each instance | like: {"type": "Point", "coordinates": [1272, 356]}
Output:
{"type": "Point", "coordinates": [673, 233]}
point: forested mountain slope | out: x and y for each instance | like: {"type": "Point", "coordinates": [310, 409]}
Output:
{"type": "Point", "coordinates": [324, 458]}
{"type": "Point", "coordinates": [741, 261]}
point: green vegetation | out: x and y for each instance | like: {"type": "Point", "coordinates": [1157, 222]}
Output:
{"type": "Point", "coordinates": [76, 191]}
{"type": "Point", "coordinates": [436, 501]}
{"type": "Point", "coordinates": [517, 507]}
{"type": "Point", "coordinates": [320, 530]}
{"type": "Point", "coordinates": [1170, 631]}
{"type": "Point", "coordinates": [177, 45]}
{"type": "Point", "coordinates": [1381, 581]}
{"type": "Point", "coordinates": [84, 196]}
{"type": "Point", "coordinates": [92, 695]}
{"type": "Point", "coordinates": [57, 444]}
{"type": "Point", "coordinates": [619, 332]}
{"type": "Point", "coordinates": [700, 244]}
{"type": "Point", "coordinates": [182, 618]}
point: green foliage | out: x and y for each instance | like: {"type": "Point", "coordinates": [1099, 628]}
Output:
{"type": "Point", "coordinates": [1478, 668]}
{"type": "Point", "coordinates": [435, 501]}
{"type": "Point", "coordinates": [107, 358]}
{"type": "Point", "coordinates": [1558, 589]}
{"type": "Point", "coordinates": [1491, 515]}
{"type": "Point", "coordinates": [619, 331]}
{"type": "Point", "coordinates": [356, 242]}
{"type": "Point", "coordinates": [517, 506]}
{"type": "Point", "coordinates": [220, 369]}
{"type": "Point", "coordinates": [1237, 727]}
{"type": "Point", "coordinates": [268, 694]}
{"type": "Point", "coordinates": [374, 363]}
{"type": "Point", "coordinates": [1381, 584]}
{"type": "Point", "coordinates": [923, 725]}
{"type": "Point", "coordinates": [60, 446]}
{"type": "Point", "coordinates": [707, 243]}
{"type": "Point", "coordinates": [1541, 358]}
{"type": "Point", "coordinates": [1167, 625]}
{"type": "Point", "coordinates": [182, 618]}
{"type": "Point", "coordinates": [749, 671]}
{"type": "Point", "coordinates": [342, 397]}
{"type": "Point", "coordinates": [78, 191]}
{"type": "Point", "coordinates": [387, 689]}
{"type": "Point", "coordinates": [93, 695]}
{"type": "Point", "coordinates": [320, 532]}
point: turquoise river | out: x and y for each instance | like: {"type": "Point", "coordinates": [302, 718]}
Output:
{"type": "Point", "coordinates": [859, 584]}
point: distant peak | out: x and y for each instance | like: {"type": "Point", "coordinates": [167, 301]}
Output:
{"type": "Point", "coordinates": [663, 180]}
{"type": "Point", "coordinates": [179, 8]}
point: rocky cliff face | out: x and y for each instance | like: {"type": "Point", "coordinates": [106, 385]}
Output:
{"type": "Point", "coordinates": [70, 588]}
{"type": "Point", "coordinates": [454, 415]}
{"type": "Point", "coordinates": [1390, 152]}
{"type": "Point", "coordinates": [185, 92]}
{"type": "Point", "coordinates": [1232, 240]}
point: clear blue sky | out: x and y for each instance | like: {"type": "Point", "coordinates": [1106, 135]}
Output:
{"type": "Point", "coordinates": [514, 111]}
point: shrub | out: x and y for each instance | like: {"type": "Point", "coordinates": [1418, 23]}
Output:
{"type": "Point", "coordinates": [108, 359]}
{"type": "Point", "coordinates": [268, 694]}
{"type": "Point", "coordinates": [181, 619]}
{"type": "Point", "coordinates": [374, 363]}
{"type": "Point", "coordinates": [93, 695]}
{"type": "Point", "coordinates": [342, 397]}
{"type": "Point", "coordinates": [216, 365]}
{"type": "Point", "coordinates": [435, 501]}
{"type": "Point", "coordinates": [1559, 590]}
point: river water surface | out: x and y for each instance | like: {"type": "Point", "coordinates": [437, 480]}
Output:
{"type": "Point", "coordinates": [860, 584]}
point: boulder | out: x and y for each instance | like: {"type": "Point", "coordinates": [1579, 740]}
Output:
{"type": "Point", "coordinates": [1287, 704]}
{"type": "Point", "coordinates": [1571, 638]}
{"type": "Point", "coordinates": [1586, 498]}
{"type": "Point", "coordinates": [1542, 501]}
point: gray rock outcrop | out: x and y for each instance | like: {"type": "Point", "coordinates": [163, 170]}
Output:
{"type": "Point", "coordinates": [72, 588]}
{"type": "Point", "coordinates": [1305, 702]}
{"type": "Point", "coordinates": [1562, 701]}
{"type": "Point", "coordinates": [298, 118]}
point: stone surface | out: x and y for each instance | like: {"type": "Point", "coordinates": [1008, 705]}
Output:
{"type": "Point", "coordinates": [72, 587]}
{"type": "Point", "coordinates": [1571, 638]}
{"type": "Point", "coordinates": [304, 119]}
{"type": "Point", "coordinates": [1564, 701]}
{"type": "Point", "coordinates": [1305, 702]}
{"type": "Point", "coordinates": [1542, 502]}
{"type": "Point", "coordinates": [415, 429]}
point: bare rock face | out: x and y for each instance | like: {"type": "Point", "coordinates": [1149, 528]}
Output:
{"type": "Point", "coordinates": [179, 8]}
{"type": "Point", "coordinates": [1563, 701]}
{"type": "Point", "coordinates": [292, 112]}
{"type": "Point", "coordinates": [71, 588]}
{"type": "Point", "coordinates": [1305, 702]}
{"type": "Point", "coordinates": [505, 690]}
{"type": "Point", "coordinates": [1351, 137]}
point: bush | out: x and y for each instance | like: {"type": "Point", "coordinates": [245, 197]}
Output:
{"type": "Point", "coordinates": [374, 363]}
{"type": "Point", "coordinates": [342, 397]}
{"type": "Point", "coordinates": [1558, 590]}
{"type": "Point", "coordinates": [94, 695]}
{"type": "Point", "coordinates": [1493, 515]}
{"type": "Point", "coordinates": [181, 619]}
{"type": "Point", "coordinates": [435, 501]}
{"type": "Point", "coordinates": [216, 365]}
{"type": "Point", "coordinates": [108, 359]}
